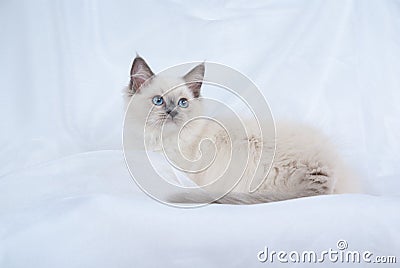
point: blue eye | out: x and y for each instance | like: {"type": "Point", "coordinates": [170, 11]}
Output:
{"type": "Point", "coordinates": [184, 103]}
{"type": "Point", "coordinates": [158, 100]}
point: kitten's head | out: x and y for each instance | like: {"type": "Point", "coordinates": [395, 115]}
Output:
{"type": "Point", "coordinates": [164, 102]}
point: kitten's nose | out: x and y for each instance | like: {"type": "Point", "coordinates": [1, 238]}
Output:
{"type": "Point", "coordinates": [172, 113]}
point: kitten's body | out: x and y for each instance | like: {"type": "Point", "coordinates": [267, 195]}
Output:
{"type": "Point", "coordinates": [304, 162]}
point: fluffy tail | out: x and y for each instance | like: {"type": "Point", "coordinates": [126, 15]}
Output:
{"type": "Point", "coordinates": [234, 198]}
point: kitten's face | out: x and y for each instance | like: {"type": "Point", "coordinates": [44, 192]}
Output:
{"type": "Point", "coordinates": [164, 103]}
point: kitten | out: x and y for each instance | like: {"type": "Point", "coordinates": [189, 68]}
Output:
{"type": "Point", "coordinates": [304, 162]}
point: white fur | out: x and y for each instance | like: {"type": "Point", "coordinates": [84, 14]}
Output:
{"type": "Point", "coordinates": [305, 162]}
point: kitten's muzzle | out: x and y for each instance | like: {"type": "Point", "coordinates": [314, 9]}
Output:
{"type": "Point", "coordinates": [172, 113]}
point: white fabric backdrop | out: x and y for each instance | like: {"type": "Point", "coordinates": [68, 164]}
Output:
{"type": "Point", "coordinates": [63, 64]}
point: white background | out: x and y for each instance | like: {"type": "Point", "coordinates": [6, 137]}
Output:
{"type": "Point", "coordinates": [66, 198]}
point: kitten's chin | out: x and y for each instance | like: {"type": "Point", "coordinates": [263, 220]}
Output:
{"type": "Point", "coordinates": [171, 125]}
{"type": "Point", "coordinates": [166, 127]}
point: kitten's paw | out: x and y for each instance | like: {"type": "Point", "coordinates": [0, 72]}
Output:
{"type": "Point", "coordinates": [319, 180]}
{"type": "Point", "coordinates": [319, 184]}
{"type": "Point", "coordinates": [311, 179]}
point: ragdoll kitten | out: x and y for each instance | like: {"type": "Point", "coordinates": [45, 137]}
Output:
{"type": "Point", "coordinates": [304, 164]}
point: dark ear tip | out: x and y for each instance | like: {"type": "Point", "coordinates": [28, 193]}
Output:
{"type": "Point", "coordinates": [201, 67]}
{"type": "Point", "coordinates": [138, 58]}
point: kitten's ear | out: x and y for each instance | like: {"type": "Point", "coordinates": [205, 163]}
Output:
{"type": "Point", "coordinates": [194, 79]}
{"type": "Point", "coordinates": [140, 72]}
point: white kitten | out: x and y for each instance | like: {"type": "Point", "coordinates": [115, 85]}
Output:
{"type": "Point", "coordinates": [304, 161]}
